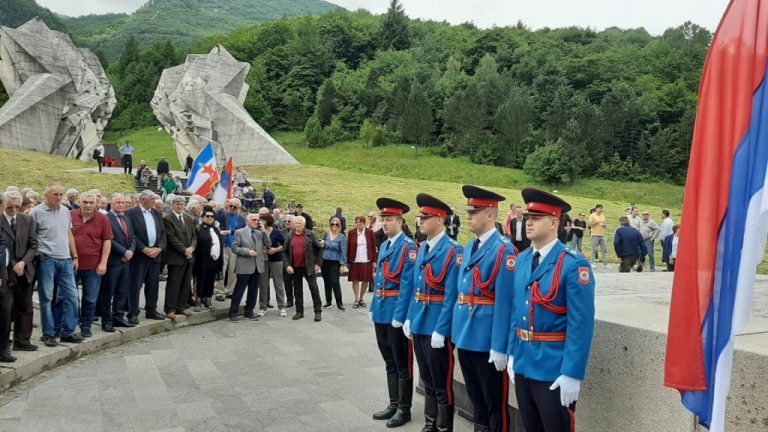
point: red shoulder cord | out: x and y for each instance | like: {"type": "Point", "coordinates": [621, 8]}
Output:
{"type": "Point", "coordinates": [394, 277]}
{"type": "Point", "coordinates": [434, 281]}
{"type": "Point", "coordinates": [483, 286]}
{"type": "Point", "coordinates": [546, 301]}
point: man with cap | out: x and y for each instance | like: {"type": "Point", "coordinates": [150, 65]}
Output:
{"type": "Point", "coordinates": [553, 313]}
{"type": "Point", "coordinates": [480, 328]}
{"type": "Point", "coordinates": [394, 274]}
{"type": "Point", "coordinates": [431, 310]}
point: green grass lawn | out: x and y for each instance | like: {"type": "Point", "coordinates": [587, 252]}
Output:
{"type": "Point", "coordinates": [149, 144]}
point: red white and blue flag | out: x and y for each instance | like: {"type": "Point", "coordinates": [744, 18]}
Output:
{"type": "Point", "coordinates": [204, 175]}
{"type": "Point", "coordinates": [725, 214]}
{"type": "Point", "coordinates": [223, 191]}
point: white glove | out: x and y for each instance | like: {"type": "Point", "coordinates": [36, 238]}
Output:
{"type": "Point", "coordinates": [396, 323]}
{"type": "Point", "coordinates": [499, 360]}
{"type": "Point", "coordinates": [511, 369]}
{"type": "Point", "coordinates": [438, 340]}
{"type": "Point", "coordinates": [407, 329]}
{"type": "Point", "coordinates": [370, 316]}
{"type": "Point", "coordinates": [569, 389]}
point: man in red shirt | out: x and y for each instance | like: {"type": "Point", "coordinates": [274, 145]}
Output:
{"type": "Point", "coordinates": [93, 240]}
{"type": "Point", "coordinates": [303, 257]}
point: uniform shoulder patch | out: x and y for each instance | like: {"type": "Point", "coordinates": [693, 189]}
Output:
{"type": "Point", "coordinates": [510, 262]}
{"type": "Point", "coordinates": [412, 255]}
{"type": "Point", "coordinates": [458, 260]}
{"type": "Point", "coordinates": [505, 240]}
{"type": "Point", "coordinates": [584, 275]}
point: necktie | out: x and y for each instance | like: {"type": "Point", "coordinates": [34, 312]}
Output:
{"type": "Point", "coordinates": [181, 220]}
{"type": "Point", "coordinates": [475, 245]}
{"type": "Point", "coordinates": [253, 236]}
{"type": "Point", "coordinates": [426, 248]}
{"type": "Point", "coordinates": [124, 227]}
{"type": "Point", "coordinates": [535, 262]}
{"type": "Point", "coordinates": [389, 243]}
{"type": "Point", "coordinates": [13, 223]}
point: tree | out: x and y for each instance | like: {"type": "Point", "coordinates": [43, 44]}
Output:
{"type": "Point", "coordinates": [314, 134]}
{"type": "Point", "coordinates": [548, 162]}
{"type": "Point", "coordinates": [511, 124]}
{"type": "Point", "coordinates": [416, 125]}
{"type": "Point", "coordinates": [326, 107]}
{"type": "Point", "coordinates": [395, 31]}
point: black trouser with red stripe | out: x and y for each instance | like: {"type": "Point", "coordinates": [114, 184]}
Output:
{"type": "Point", "coordinates": [488, 390]}
{"type": "Point", "coordinates": [396, 350]}
{"type": "Point", "coordinates": [540, 407]}
{"type": "Point", "coordinates": [435, 368]}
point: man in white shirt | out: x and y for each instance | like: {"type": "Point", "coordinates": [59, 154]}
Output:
{"type": "Point", "coordinates": [666, 226]}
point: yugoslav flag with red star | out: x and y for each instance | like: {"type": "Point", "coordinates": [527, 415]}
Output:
{"type": "Point", "coordinates": [204, 174]}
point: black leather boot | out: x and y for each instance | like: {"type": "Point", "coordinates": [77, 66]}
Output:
{"type": "Point", "coordinates": [389, 411]}
{"type": "Point", "coordinates": [481, 428]}
{"type": "Point", "coordinates": [444, 418]}
{"type": "Point", "coordinates": [430, 414]}
{"type": "Point", "coordinates": [403, 413]}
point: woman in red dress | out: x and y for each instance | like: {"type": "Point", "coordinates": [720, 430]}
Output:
{"type": "Point", "coordinates": [361, 255]}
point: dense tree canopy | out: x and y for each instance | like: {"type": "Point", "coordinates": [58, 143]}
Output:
{"type": "Point", "coordinates": [496, 95]}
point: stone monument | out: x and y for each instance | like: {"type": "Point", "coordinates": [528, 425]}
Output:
{"type": "Point", "coordinates": [201, 101]}
{"type": "Point", "coordinates": [60, 97]}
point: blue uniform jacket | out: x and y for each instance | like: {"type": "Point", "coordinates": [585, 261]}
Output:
{"type": "Point", "coordinates": [385, 309]}
{"type": "Point", "coordinates": [545, 361]}
{"type": "Point", "coordinates": [427, 317]}
{"type": "Point", "coordinates": [473, 326]}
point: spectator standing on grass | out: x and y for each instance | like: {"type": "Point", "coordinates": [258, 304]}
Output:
{"type": "Point", "coordinates": [666, 226]}
{"type": "Point", "coordinates": [241, 177]}
{"type": "Point", "coordinates": [597, 228]}
{"type": "Point", "coordinates": [126, 150]}
{"type": "Point", "coordinates": [341, 218]}
{"type": "Point", "coordinates": [577, 230]}
{"type": "Point", "coordinates": [452, 224]}
{"type": "Point", "coordinates": [98, 155]}
{"type": "Point", "coordinates": [188, 162]}
{"type": "Point", "coordinates": [291, 209]}
{"type": "Point", "coordinates": [309, 224]}
{"type": "Point", "coordinates": [564, 227]}
{"type": "Point", "coordinates": [334, 262]}
{"type": "Point", "coordinates": [669, 254]}
{"type": "Point", "coordinates": [634, 218]}
{"type": "Point", "coordinates": [629, 245]}
{"type": "Point", "coordinates": [93, 240]}
{"type": "Point", "coordinates": [58, 261]}
{"type": "Point", "coordinates": [516, 230]}
{"type": "Point", "coordinates": [163, 171]}
{"type": "Point", "coordinates": [511, 214]}
{"type": "Point", "coordinates": [269, 198]}
{"type": "Point", "coordinates": [650, 231]}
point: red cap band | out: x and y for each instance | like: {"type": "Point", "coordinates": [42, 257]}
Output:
{"type": "Point", "coordinates": [391, 211]}
{"type": "Point", "coordinates": [433, 211]}
{"type": "Point", "coordinates": [541, 208]}
{"type": "Point", "coordinates": [477, 202]}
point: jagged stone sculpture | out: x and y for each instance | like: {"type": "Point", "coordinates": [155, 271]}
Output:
{"type": "Point", "coordinates": [201, 101]}
{"type": "Point", "coordinates": [60, 97]}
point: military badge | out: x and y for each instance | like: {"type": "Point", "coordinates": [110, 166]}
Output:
{"type": "Point", "coordinates": [583, 275]}
{"type": "Point", "coordinates": [458, 260]}
{"type": "Point", "coordinates": [511, 260]}
{"type": "Point", "coordinates": [412, 256]}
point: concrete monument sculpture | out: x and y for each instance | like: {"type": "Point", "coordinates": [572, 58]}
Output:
{"type": "Point", "coordinates": [60, 97]}
{"type": "Point", "coordinates": [201, 101]}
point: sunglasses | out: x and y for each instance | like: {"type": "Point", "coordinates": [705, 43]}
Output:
{"type": "Point", "coordinates": [335, 224]}
{"type": "Point", "coordinates": [233, 207]}
{"type": "Point", "coordinates": [208, 216]}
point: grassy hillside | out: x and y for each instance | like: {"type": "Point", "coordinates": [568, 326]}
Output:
{"type": "Point", "coordinates": [37, 170]}
{"type": "Point", "coordinates": [150, 144]}
{"type": "Point", "coordinates": [182, 21]}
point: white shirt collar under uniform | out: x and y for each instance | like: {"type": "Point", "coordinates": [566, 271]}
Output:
{"type": "Point", "coordinates": [432, 243]}
{"type": "Point", "coordinates": [545, 250]}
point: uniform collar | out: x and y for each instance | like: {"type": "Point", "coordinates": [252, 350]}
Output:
{"type": "Point", "coordinates": [432, 243]}
{"type": "Point", "coordinates": [546, 249]}
{"type": "Point", "coordinates": [483, 238]}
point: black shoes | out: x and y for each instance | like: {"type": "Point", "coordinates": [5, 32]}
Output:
{"type": "Point", "coordinates": [390, 410]}
{"type": "Point", "coordinates": [403, 413]}
{"type": "Point", "coordinates": [108, 328]}
{"type": "Point", "coordinates": [341, 307]}
{"type": "Point", "coordinates": [444, 418]}
{"type": "Point", "coordinates": [318, 316]}
{"type": "Point", "coordinates": [50, 341]}
{"type": "Point", "coordinates": [133, 321]}
{"type": "Point", "coordinates": [73, 338]}
{"type": "Point", "coordinates": [290, 304]}
{"type": "Point", "coordinates": [86, 333]}
{"type": "Point", "coordinates": [24, 347]}
{"type": "Point", "coordinates": [251, 317]}
{"type": "Point", "coordinates": [154, 316]}
{"type": "Point", "coordinates": [298, 316]}
{"type": "Point", "coordinates": [233, 318]}
{"type": "Point", "coordinates": [430, 414]}
{"type": "Point", "coordinates": [327, 305]}
{"type": "Point", "coordinates": [119, 323]}
{"type": "Point", "coordinates": [6, 357]}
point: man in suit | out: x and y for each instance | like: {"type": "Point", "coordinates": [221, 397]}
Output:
{"type": "Point", "coordinates": [480, 327]}
{"type": "Point", "coordinates": [182, 241]}
{"type": "Point", "coordinates": [517, 230]}
{"type": "Point", "coordinates": [394, 274]}
{"type": "Point", "coordinates": [431, 310]}
{"type": "Point", "coordinates": [230, 220]}
{"type": "Point", "coordinates": [452, 224]}
{"type": "Point", "coordinates": [115, 285]}
{"type": "Point", "coordinates": [6, 302]}
{"type": "Point", "coordinates": [303, 257]}
{"type": "Point", "coordinates": [552, 312]}
{"type": "Point", "coordinates": [149, 235]}
{"type": "Point", "coordinates": [249, 246]}
{"type": "Point", "coordinates": [18, 231]}
{"type": "Point", "coordinates": [93, 240]}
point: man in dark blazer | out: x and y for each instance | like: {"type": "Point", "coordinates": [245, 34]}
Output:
{"type": "Point", "coordinates": [115, 283]}
{"type": "Point", "coordinates": [19, 234]}
{"type": "Point", "coordinates": [181, 235]}
{"type": "Point", "coordinates": [517, 230]}
{"type": "Point", "coordinates": [249, 246]}
{"type": "Point", "coordinates": [6, 302]}
{"type": "Point", "coordinates": [146, 264]}
{"type": "Point", "coordinates": [309, 224]}
{"type": "Point", "coordinates": [303, 257]}
{"type": "Point", "coordinates": [452, 224]}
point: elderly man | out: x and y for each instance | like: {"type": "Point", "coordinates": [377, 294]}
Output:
{"type": "Point", "coordinates": [72, 198]}
{"type": "Point", "coordinates": [6, 302]}
{"type": "Point", "coordinates": [114, 290]}
{"type": "Point", "coordinates": [58, 263]}
{"type": "Point", "coordinates": [19, 233]}
{"type": "Point", "coordinates": [230, 220]}
{"type": "Point", "coordinates": [303, 257]}
{"type": "Point", "coordinates": [182, 241]}
{"type": "Point", "coordinates": [93, 240]}
{"type": "Point", "coordinates": [150, 241]}
{"type": "Point", "coordinates": [249, 246]}
{"type": "Point", "coordinates": [277, 214]}
{"type": "Point", "coordinates": [194, 209]}
{"type": "Point", "coordinates": [288, 279]}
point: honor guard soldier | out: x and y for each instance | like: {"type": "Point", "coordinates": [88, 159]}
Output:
{"type": "Point", "coordinates": [431, 311]}
{"type": "Point", "coordinates": [486, 271]}
{"type": "Point", "coordinates": [553, 316]}
{"type": "Point", "coordinates": [394, 273]}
